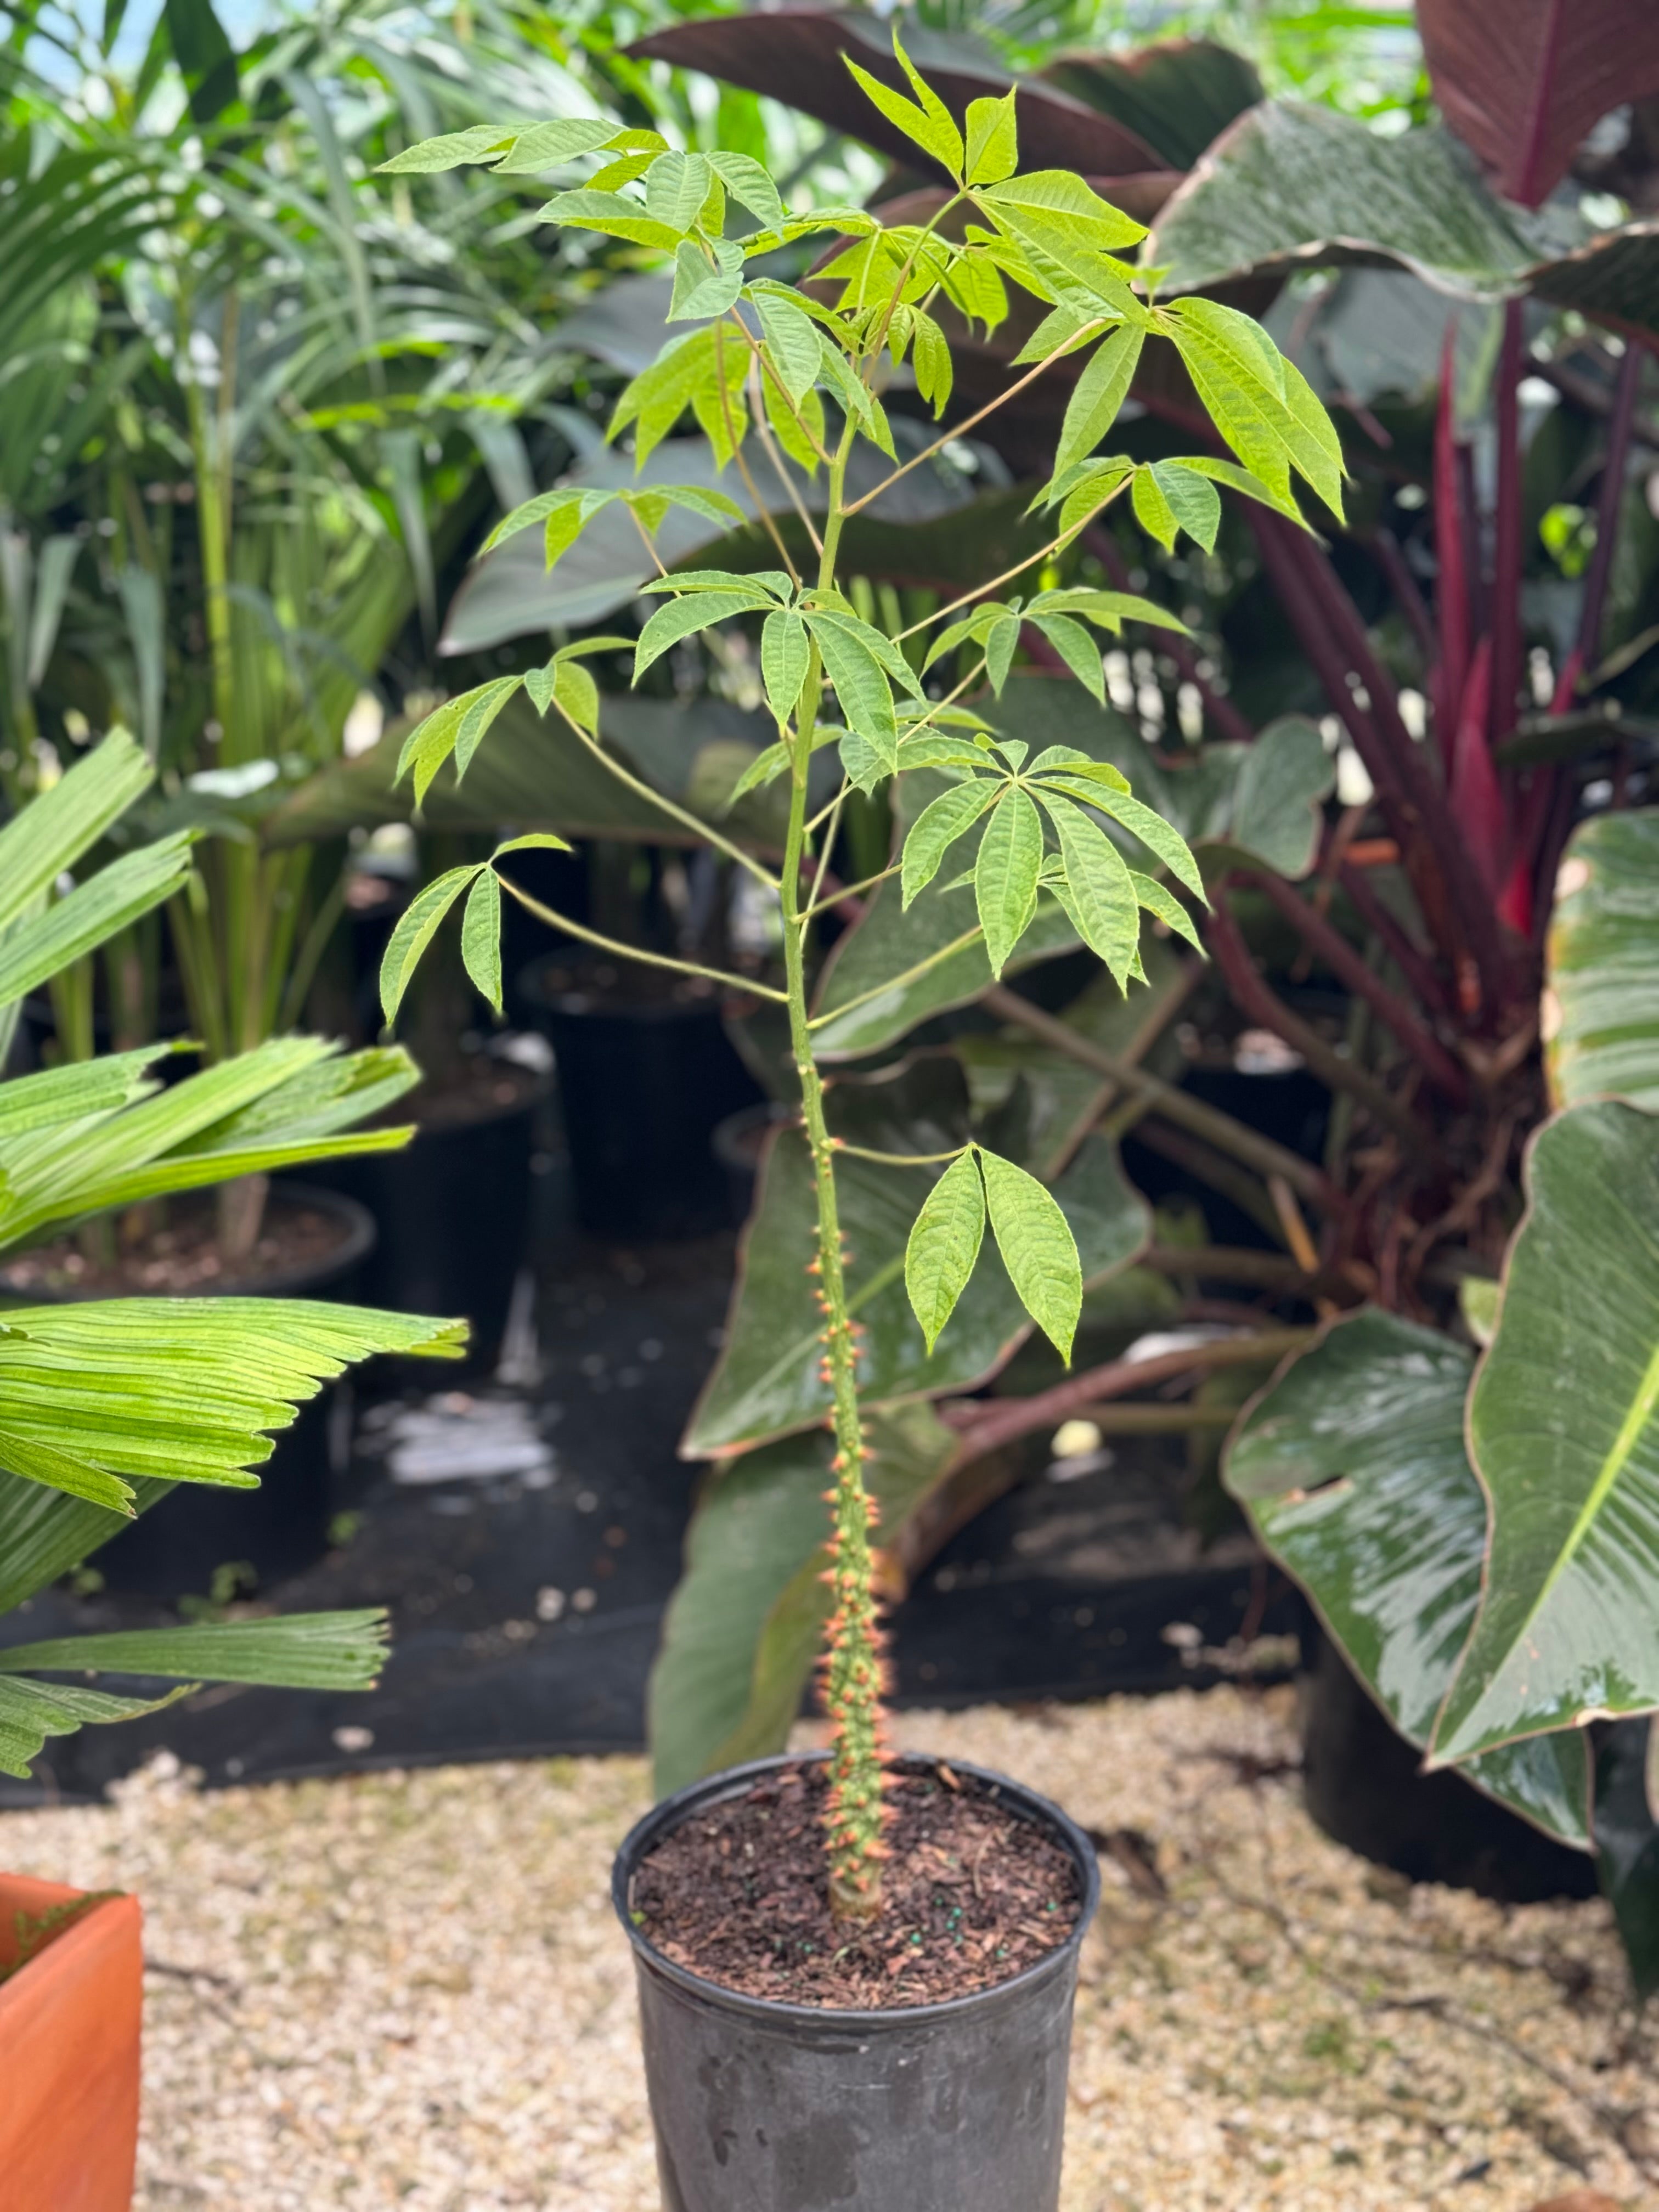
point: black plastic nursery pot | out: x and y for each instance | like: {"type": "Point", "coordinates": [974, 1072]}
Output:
{"type": "Point", "coordinates": [1362, 1784]}
{"type": "Point", "coordinates": [758, 2107]}
{"type": "Point", "coordinates": [645, 1072]}
{"type": "Point", "coordinates": [453, 1212]}
{"type": "Point", "coordinates": [184, 1542]}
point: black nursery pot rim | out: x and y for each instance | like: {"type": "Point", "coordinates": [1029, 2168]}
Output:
{"type": "Point", "coordinates": [732, 1781]}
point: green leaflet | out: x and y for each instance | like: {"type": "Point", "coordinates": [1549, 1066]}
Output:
{"type": "Point", "coordinates": [926, 120]}
{"type": "Point", "coordinates": [944, 1245]}
{"type": "Point", "coordinates": [791, 340]}
{"type": "Point", "coordinates": [1037, 1249]}
{"type": "Point", "coordinates": [701, 287]}
{"type": "Point", "coordinates": [1005, 875]}
{"type": "Point", "coordinates": [1078, 650]}
{"type": "Point", "coordinates": [1190, 501]}
{"type": "Point", "coordinates": [481, 936]}
{"type": "Point", "coordinates": [696, 610]}
{"type": "Point", "coordinates": [43, 944]}
{"type": "Point", "coordinates": [416, 926]}
{"type": "Point", "coordinates": [750, 184]}
{"type": "Point", "coordinates": [1101, 897]}
{"type": "Point", "coordinates": [1100, 393]}
{"type": "Point", "coordinates": [857, 660]}
{"type": "Point", "coordinates": [785, 656]}
{"type": "Point", "coordinates": [1352, 1467]}
{"type": "Point", "coordinates": [30, 1712]}
{"type": "Point", "coordinates": [455, 727]}
{"type": "Point", "coordinates": [57, 827]}
{"type": "Point", "coordinates": [993, 139]}
{"type": "Point", "coordinates": [1261, 403]}
{"type": "Point", "coordinates": [937, 827]}
{"type": "Point", "coordinates": [1563, 1427]}
{"type": "Point", "coordinates": [36, 1460]}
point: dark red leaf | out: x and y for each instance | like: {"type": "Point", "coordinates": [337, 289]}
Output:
{"type": "Point", "coordinates": [1523, 82]}
{"type": "Point", "coordinates": [1476, 800]}
{"type": "Point", "coordinates": [794, 55]}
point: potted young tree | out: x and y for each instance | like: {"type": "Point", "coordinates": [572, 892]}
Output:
{"type": "Point", "coordinates": [856, 1973]}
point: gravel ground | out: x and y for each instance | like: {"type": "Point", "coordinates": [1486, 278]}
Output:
{"type": "Point", "coordinates": [407, 1990]}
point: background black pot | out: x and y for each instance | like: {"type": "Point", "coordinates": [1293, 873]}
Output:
{"type": "Point", "coordinates": [763, 2108]}
{"type": "Point", "coordinates": [642, 1080]}
{"type": "Point", "coordinates": [1361, 1784]}
{"type": "Point", "coordinates": [453, 1213]}
{"type": "Point", "coordinates": [197, 1532]}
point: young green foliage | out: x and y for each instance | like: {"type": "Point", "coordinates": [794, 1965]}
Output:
{"type": "Point", "coordinates": [768, 371]}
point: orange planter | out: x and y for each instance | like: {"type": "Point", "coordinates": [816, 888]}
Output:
{"type": "Point", "coordinates": [68, 2054]}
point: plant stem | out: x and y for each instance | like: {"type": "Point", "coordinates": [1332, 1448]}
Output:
{"type": "Point", "coordinates": [700, 828]}
{"type": "Point", "coordinates": [852, 1662]}
{"type": "Point", "coordinates": [745, 985]}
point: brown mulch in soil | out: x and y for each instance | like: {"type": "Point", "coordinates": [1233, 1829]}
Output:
{"type": "Point", "coordinates": [179, 1255]}
{"type": "Point", "coordinates": [971, 1895]}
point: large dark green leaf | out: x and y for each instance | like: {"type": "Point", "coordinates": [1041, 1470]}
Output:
{"type": "Point", "coordinates": [1352, 1468]}
{"type": "Point", "coordinates": [766, 1382]}
{"type": "Point", "coordinates": [1178, 97]}
{"type": "Point", "coordinates": [1291, 186]}
{"type": "Point", "coordinates": [1564, 1425]}
{"type": "Point", "coordinates": [745, 1624]}
{"type": "Point", "coordinates": [1601, 1013]}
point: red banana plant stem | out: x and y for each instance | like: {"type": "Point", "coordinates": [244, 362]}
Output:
{"type": "Point", "coordinates": [1407, 591]}
{"type": "Point", "coordinates": [1506, 532]}
{"type": "Point", "coordinates": [1451, 544]}
{"type": "Point", "coordinates": [1330, 945]}
{"type": "Point", "coordinates": [1217, 711]}
{"type": "Point", "coordinates": [1414, 964]}
{"type": "Point", "coordinates": [1334, 637]}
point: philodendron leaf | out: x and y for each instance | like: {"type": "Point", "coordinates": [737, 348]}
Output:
{"type": "Point", "coordinates": [416, 926]}
{"type": "Point", "coordinates": [1563, 1424]}
{"type": "Point", "coordinates": [1037, 1249]}
{"type": "Point", "coordinates": [944, 1245]}
{"type": "Point", "coordinates": [1601, 1008]}
{"type": "Point", "coordinates": [1352, 1468]}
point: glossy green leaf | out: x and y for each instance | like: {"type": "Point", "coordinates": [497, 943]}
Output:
{"type": "Point", "coordinates": [750, 184]}
{"type": "Point", "coordinates": [791, 340]}
{"type": "Point", "coordinates": [1037, 1249]}
{"type": "Point", "coordinates": [1191, 498]}
{"type": "Point", "coordinates": [1601, 1010]}
{"type": "Point", "coordinates": [861, 683]}
{"type": "Point", "coordinates": [702, 288]}
{"type": "Point", "coordinates": [1564, 1425]}
{"type": "Point", "coordinates": [944, 1245]}
{"type": "Point", "coordinates": [416, 926]}
{"type": "Point", "coordinates": [1352, 1467]}
{"type": "Point", "coordinates": [937, 828]}
{"type": "Point", "coordinates": [1078, 650]}
{"type": "Point", "coordinates": [684, 618]}
{"type": "Point", "coordinates": [785, 655]}
{"type": "Point", "coordinates": [1005, 875]}
{"type": "Point", "coordinates": [1101, 897]}
{"type": "Point", "coordinates": [1261, 403]}
{"type": "Point", "coordinates": [926, 120]}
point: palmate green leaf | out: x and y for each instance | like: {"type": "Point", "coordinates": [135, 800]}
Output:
{"type": "Point", "coordinates": [1037, 1249]}
{"type": "Point", "coordinates": [510, 149]}
{"type": "Point", "coordinates": [298, 1651]}
{"type": "Point", "coordinates": [702, 288]}
{"type": "Point", "coordinates": [417, 925]}
{"type": "Point", "coordinates": [1100, 893]}
{"type": "Point", "coordinates": [1352, 1468]}
{"type": "Point", "coordinates": [937, 828]}
{"type": "Point", "coordinates": [1564, 1426]}
{"type": "Point", "coordinates": [1077, 649]}
{"type": "Point", "coordinates": [1153, 831]}
{"type": "Point", "coordinates": [750, 184]}
{"type": "Point", "coordinates": [930, 356]}
{"type": "Point", "coordinates": [1098, 396]}
{"type": "Point", "coordinates": [1005, 875]}
{"type": "Point", "coordinates": [993, 139]}
{"type": "Point", "coordinates": [455, 727]}
{"type": "Point", "coordinates": [1601, 1008]}
{"type": "Point", "coordinates": [1190, 498]}
{"type": "Point", "coordinates": [178, 1389]}
{"type": "Point", "coordinates": [52, 832]}
{"type": "Point", "coordinates": [1057, 202]}
{"type": "Point", "coordinates": [1001, 638]}
{"type": "Point", "coordinates": [42, 945]}
{"type": "Point", "coordinates": [613, 213]}
{"type": "Point", "coordinates": [791, 348]}
{"type": "Point", "coordinates": [696, 610]}
{"type": "Point", "coordinates": [282, 1104]}
{"type": "Point", "coordinates": [686, 369]}
{"type": "Point", "coordinates": [1167, 907]}
{"type": "Point", "coordinates": [481, 936]}
{"type": "Point", "coordinates": [565, 512]}
{"type": "Point", "coordinates": [30, 1712]}
{"type": "Point", "coordinates": [785, 656]}
{"type": "Point", "coordinates": [1088, 489]}
{"type": "Point", "coordinates": [676, 189]}
{"type": "Point", "coordinates": [926, 120]}
{"type": "Point", "coordinates": [1261, 403]}
{"type": "Point", "coordinates": [855, 397]}
{"type": "Point", "coordinates": [860, 663]}
{"type": "Point", "coordinates": [767, 1381]}
{"type": "Point", "coordinates": [944, 1245]}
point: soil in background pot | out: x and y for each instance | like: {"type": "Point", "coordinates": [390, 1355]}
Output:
{"type": "Point", "coordinates": [454, 1209]}
{"type": "Point", "coordinates": [201, 1540]}
{"type": "Point", "coordinates": [644, 1072]}
{"type": "Point", "coordinates": [1362, 1784]}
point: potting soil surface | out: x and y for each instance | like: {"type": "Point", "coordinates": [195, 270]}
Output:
{"type": "Point", "coordinates": [409, 1989]}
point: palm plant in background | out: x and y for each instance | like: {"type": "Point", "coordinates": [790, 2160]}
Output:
{"type": "Point", "coordinates": [105, 1406]}
{"type": "Point", "coordinates": [801, 377]}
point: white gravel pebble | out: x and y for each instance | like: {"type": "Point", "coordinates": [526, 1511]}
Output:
{"type": "Point", "coordinates": [407, 1990]}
